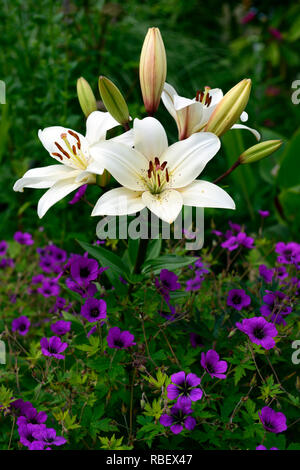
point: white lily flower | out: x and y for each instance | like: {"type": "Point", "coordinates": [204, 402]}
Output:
{"type": "Point", "coordinates": [192, 115]}
{"type": "Point", "coordinates": [73, 151]}
{"type": "Point", "coordinates": [156, 176]}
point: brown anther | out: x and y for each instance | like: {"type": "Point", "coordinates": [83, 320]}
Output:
{"type": "Point", "coordinates": [74, 149]}
{"type": "Point", "coordinates": [62, 150]}
{"type": "Point", "coordinates": [158, 179]}
{"type": "Point", "coordinates": [163, 166]}
{"type": "Point", "coordinates": [76, 137]}
{"type": "Point", "coordinates": [57, 155]}
{"type": "Point", "coordinates": [167, 175]}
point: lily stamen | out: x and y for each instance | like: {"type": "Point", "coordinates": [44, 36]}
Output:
{"type": "Point", "coordinates": [157, 176]}
{"type": "Point", "coordinates": [204, 96]}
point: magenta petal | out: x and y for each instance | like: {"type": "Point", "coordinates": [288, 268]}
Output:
{"type": "Point", "coordinates": [196, 394]}
{"type": "Point", "coordinates": [190, 423]}
{"type": "Point", "coordinates": [172, 391]}
{"type": "Point", "coordinates": [176, 428]}
{"type": "Point", "coordinates": [166, 420]}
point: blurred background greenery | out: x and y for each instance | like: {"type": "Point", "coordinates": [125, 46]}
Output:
{"type": "Point", "coordinates": [47, 45]}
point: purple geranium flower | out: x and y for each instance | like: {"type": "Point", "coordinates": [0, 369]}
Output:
{"type": "Point", "coordinates": [3, 248]}
{"type": "Point", "coordinates": [60, 304]}
{"type": "Point", "coordinates": [89, 290]}
{"type": "Point", "coordinates": [32, 416]}
{"type": "Point", "coordinates": [210, 361]}
{"type": "Point", "coordinates": [259, 331]}
{"type": "Point", "coordinates": [264, 214]}
{"type": "Point", "coordinates": [21, 325]}
{"type": "Point", "coordinates": [49, 288]}
{"type": "Point", "coordinates": [79, 194]}
{"type": "Point", "coordinates": [48, 264]}
{"type": "Point", "coordinates": [238, 299]}
{"type": "Point", "coordinates": [185, 388]}
{"type": "Point", "coordinates": [26, 432]}
{"type": "Point", "coordinates": [261, 447]}
{"type": "Point", "coordinates": [38, 279]}
{"type": "Point", "coordinates": [245, 241]}
{"type": "Point", "coordinates": [194, 284]}
{"type": "Point", "coordinates": [281, 273]}
{"type": "Point", "coordinates": [230, 244]}
{"type": "Point", "coordinates": [217, 233]}
{"type": "Point", "coordinates": [275, 306]}
{"type": "Point", "coordinates": [36, 445]}
{"type": "Point", "coordinates": [289, 253]}
{"type": "Point", "coordinates": [23, 238]}
{"type": "Point", "coordinates": [61, 327]}
{"type": "Point", "coordinates": [272, 421]}
{"type": "Point", "coordinates": [83, 270]}
{"type": "Point", "coordinates": [178, 418]}
{"type": "Point", "coordinates": [119, 339]}
{"type": "Point", "coordinates": [168, 281]}
{"type": "Point", "coordinates": [7, 263]}
{"type": "Point", "coordinates": [49, 437]}
{"type": "Point", "coordinates": [20, 406]}
{"type": "Point", "coordinates": [265, 273]}
{"type": "Point", "coordinates": [94, 310]}
{"type": "Point", "coordinates": [53, 347]}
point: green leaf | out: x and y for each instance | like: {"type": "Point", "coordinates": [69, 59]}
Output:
{"type": "Point", "coordinates": [288, 175]}
{"type": "Point", "coordinates": [153, 249]}
{"type": "Point", "coordinates": [171, 262]}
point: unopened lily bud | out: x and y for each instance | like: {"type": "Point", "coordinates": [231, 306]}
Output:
{"type": "Point", "coordinates": [260, 151]}
{"type": "Point", "coordinates": [153, 69]}
{"type": "Point", "coordinates": [86, 97]}
{"type": "Point", "coordinates": [113, 100]}
{"type": "Point", "coordinates": [104, 179]}
{"type": "Point", "coordinates": [229, 108]}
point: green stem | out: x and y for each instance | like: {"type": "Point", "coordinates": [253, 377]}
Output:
{"type": "Point", "coordinates": [230, 170]}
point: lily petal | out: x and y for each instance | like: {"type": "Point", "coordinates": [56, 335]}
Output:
{"type": "Point", "coordinates": [97, 124]}
{"type": "Point", "coordinates": [119, 201]}
{"type": "Point", "coordinates": [150, 138]}
{"type": "Point", "coordinates": [187, 158]}
{"type": "Point", "coordinates": [43, 177]}
{"type": "Point", "coordinates": [205, 194]}
{"type": "Point", "coordinates": [180, 102]}
{"type": "Point", "coordinates": [127, 166]}
{"type": "Point", "coordinates": [242, 126]}
{"type": "Point", "coordinates": [166, 205]}
{"type": "Point", "coordinates": [125, 138]}
{"type": "Point", "coordinates": [57, 192]}
{"type": "Point", "coordinates": [167, 97]}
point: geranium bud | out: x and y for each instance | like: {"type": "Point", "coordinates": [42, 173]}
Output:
{"type": "Point", "coordinates": [229, 108]}
{"type": "Point", "coordinates": [153, 69]}
{"type": "Point", "coordinates": [113, 100]}
{"type": "Point", "coordinates": [260, 151]}
{"type": "Point", "coordinates": [86, 97]}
